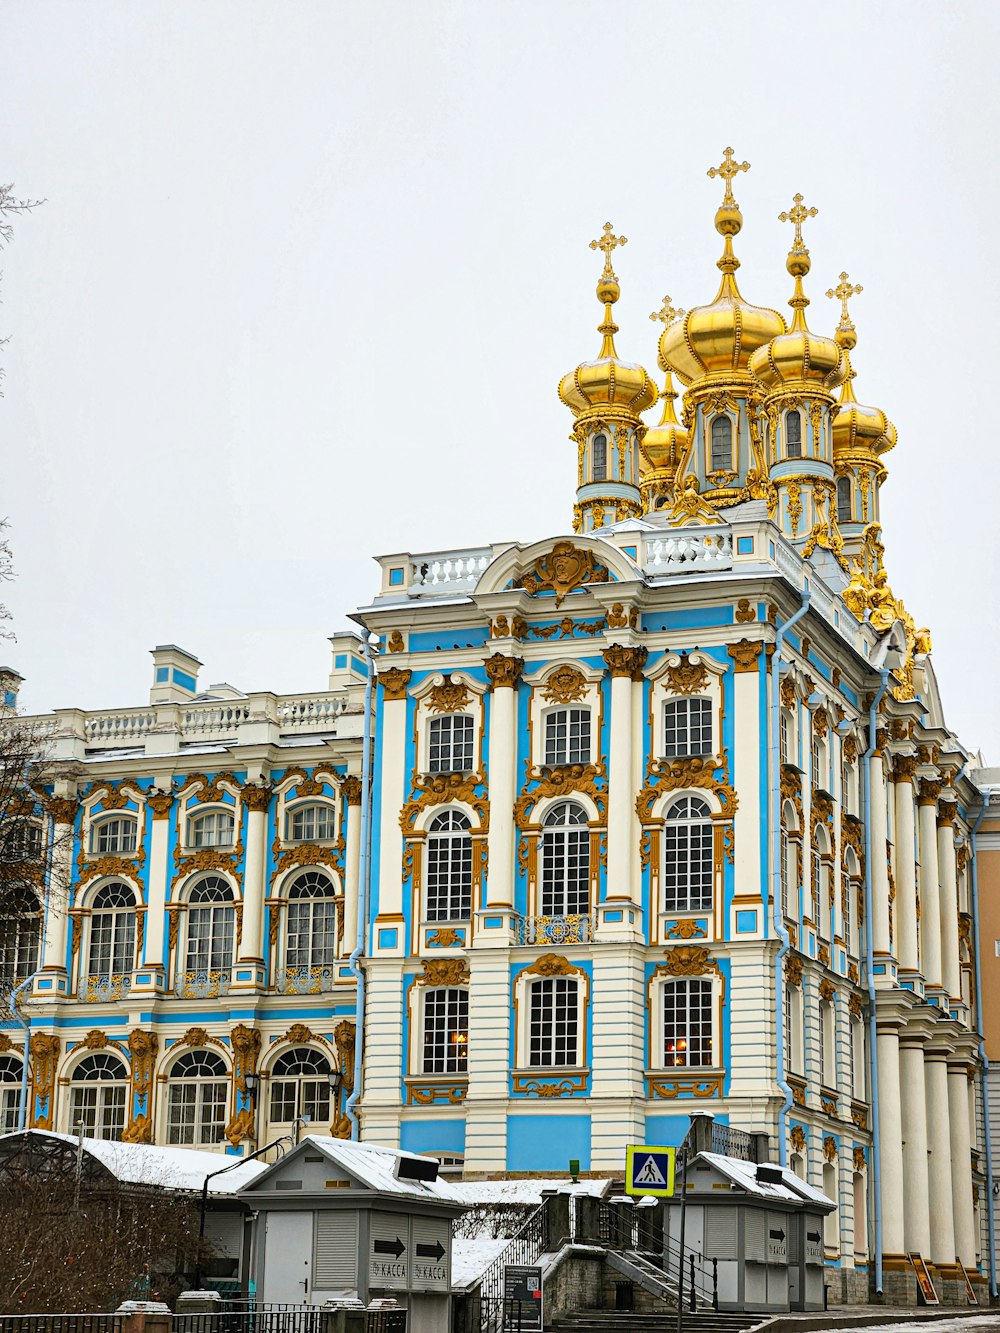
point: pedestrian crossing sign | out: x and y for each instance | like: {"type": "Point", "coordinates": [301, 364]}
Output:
{"type": "Point", "coordinates": [649, 1170]}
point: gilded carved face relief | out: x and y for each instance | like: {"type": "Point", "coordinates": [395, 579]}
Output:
{"type": "Point", "coordinates": [563, 570]}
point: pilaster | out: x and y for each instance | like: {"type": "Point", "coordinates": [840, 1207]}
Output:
{"type": "Point", "coordinates": [951, 972]}
{"type": "Point", "coordinates": [930, 895]}
{"type": "Point", "coordinates": [942, 1250]}
{"type": "Point", "coordinates": [904, 767]}
{"type": "Point", "coordinates": [393, 682]}
{"type": "Point", "coordinates": [504, 673]}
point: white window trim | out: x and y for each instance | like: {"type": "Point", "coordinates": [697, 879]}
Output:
{"type": "Point", "coordinates": [657, 1027]}
{"type": "Point", "coordinates": [289, 809]}
{"type": "Point", "coordinates": [522, 1019]}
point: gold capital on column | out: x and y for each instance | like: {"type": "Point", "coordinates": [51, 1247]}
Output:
{"type": "Point", "coordinates": [394, 682]}
{"type": "Point", "coordinates": [62, 809]}
{"type": "Point", "coordinates": [904, 766]}
{"type": "Point", "coordinates": [503, 672]}
{"type": "Point", "coordinates": [947, 813]}
{"type": "Point", "coordinates": [929, 792]}
{"type": "Point", "coordinates": [161, 803]}
{"type": "Point", "coordinates": [622, 661]}
{"type": "Point", "coordinates": [351, 787]}
{"type": "Point", "coordinates": [745, 654]}
{"type": "Point", "coordinates": [256, 797]}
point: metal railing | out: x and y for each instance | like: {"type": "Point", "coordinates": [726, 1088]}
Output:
{"type": "Point", "coordinates": [60, 1323]}
{"type": "Point", "coordinates": [525, 1247]}
{"type": "Point", "coordinates": [104, 986]}
{"type": "Point", "coordinates": [305, 980]}
{"type": "Point", "coordinates": [202, 985]}
{"type": "Point", "coordinates": [577, 929]}
{"type": "Point", "coordinates": [734, 1143]}
{"type": "Point", "coordinates": [625, 1227]}
{"type": "Point", "coordinates": [255, 1319]}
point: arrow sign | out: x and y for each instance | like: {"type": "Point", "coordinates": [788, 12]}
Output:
{"type": "Point", "coordinates": [435, 1251]}
{"type": "Point", "coordinates": [776, 1235]}
{"type": "Point", "coordinates": [393, 1247]}
{"type": "Point", "coordinates": [813, 1236]}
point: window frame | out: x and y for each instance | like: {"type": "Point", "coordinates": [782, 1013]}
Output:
{"type": "Point", "coordinates": [714, 465]}
{"type": "Point", "coordinates": [554, 986]}
{"type": "Point", "coordinates": [793, 448]}
{"type": "Point", "coordinates": [302, 808]}
{"type": "Point", "coordinates": [104, 822]}
{"type": "Point", "coordinates": [201, 815]}
{"type": "Point", "coordinates": [11, 1074]}
{"type": "Point", "coordinates": [454, 1046]}
{"type": "Point", "coordinates": [706, 991]}
{"type": "Point", "coordinates": [305, 1083]}
{"type": "Point", "coordinates": [457, 748]}
{"type": "Point", "coordinates": [105, 1107]}
{"type": "Point", "coordinates": [845, 487]}
{"type": "Point", "coordinates": [200, 1082]}
{"type": "Point", "coordinates": [117, 950]}
{"type": "Point", "coordinates": [458, 835]}
{"type": "Point", "coordinates": [570, 745]}
{"type": "Point", "coordinates": [603, 474]}
{"type": "Point", "coordinates": [686, 704]}
{"type": "Point", "coordinates": [564, 862]}
{"type": "Point", "coordinates": [675, 896]}
{"type": "Point", "coordinates": [212, 906]}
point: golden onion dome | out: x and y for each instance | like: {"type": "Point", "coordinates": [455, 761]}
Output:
{"type": "Point", "coordinates": [665, 445]}
{"type": "Point", "coordinates": [856, 428]}
{"type": "Point", "coordinates": [608, 383]}
{"type": "Point", "coordinates": [719, 339]}
{"type": "Point", "coordinates": [799, 357]}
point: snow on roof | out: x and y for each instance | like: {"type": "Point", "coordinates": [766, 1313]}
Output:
{"type": "Point", "coordinates": [744, 1175]}
{"type": "Point", "coordinates": [172, 1168]}
{"type": "Point", "coordinates": [373, 1165]}
{"type": "Point", "coordinates": [523, 1191]}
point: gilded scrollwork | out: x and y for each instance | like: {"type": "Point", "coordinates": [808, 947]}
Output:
{"type": "Point", "coordinates": [562, 571]}
{"type": "Point", "coordinates": [686, 677]}
{"type": "Point", "coordinates": [449, 697]}
{"type": "Point", "coordinates": [565, 685]}
{"type": "Point", "coordinates": [444, 972]}
{"type": "Point", "coordinates": [394, 682]}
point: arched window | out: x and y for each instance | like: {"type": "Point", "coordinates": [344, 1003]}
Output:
{"type": "Point", "coordinates": [565, 888]}
{"type": "Point", "coordinates": [687, 728]}
{"type": "Point", "coordinates": [311, 823]}
{"type": "Point", "coordinates": [793, 434]}
{"type": "Point", "coordinates": [687, 1024]}
{"type": "Point", "coordinates": [821, 869]}
{"type": "Point", "coordinates": [10, 1093]}
{"type": "Point", "coordinates": [567, 736]}
{"type": "Point", "coordinates": [111, 954]}
{"type": "Point", "coordinates": [820, 763]}
{"type": "Point", "coordinates": [196, 1105]}
{"type": "Point", "coordinates": [793, 1029]}
{"type": "Point", "coordinates": [300, 1086]}
{"type": "Point", "coordinates": [785, 728]}
{"type": "Point", "coordinates": [99, 1087]}
{"type": "Point", "coordinates": [20, 933]}
{"type": "Point", "coordinates": [117, 834]}
{"type": "Point", "coordinates": [312, 924]}
{"type": "Point", "coordinates": [722, 444]}
{"type": "Point", "coordinates": [599, 471]}
{"type": "Point", "coordinates": [449, 742]}
{"type": "Point", "coordinates": [553, 1022]}
{"type": "Point", "coordinates": [446, 1030]}
{"type": "Point", "coordinates": [211, 926]}
{"type": "Point", "coordinates": [449, 868]}
{"type": "Point", "coordinates": [859, 1089]}
{"type": "Point", "coordinates": [844, 501]}
{"type": "Point", "coordinates": [688, 840]}
{"type": "Point", "coordinates": [212, 829]}
{"type": "Point", "coordinates": [827, 1044]}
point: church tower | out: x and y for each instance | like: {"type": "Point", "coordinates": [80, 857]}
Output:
{"type": "Point", "coordinates": [797, 371]}
{"type": "Point", "coordinates": [709, 351]}
{"type": "Point", "coordinates": [607, 397]}
{"type": "Point", "coordinates": [666, 446]}
{"type": "Point", "coordinates": [861, 435]}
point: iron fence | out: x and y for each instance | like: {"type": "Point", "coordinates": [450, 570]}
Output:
{"type": "Point", "coordinates": [253, 1319]}
{"type": "Point", "coordinates": [524, 1249]}
{"type": "Point", "coordinates": [60, 1323]}
{"type": "Point", "coordinates": [734, 1143]}
{"type": "Point", "coordinates": [626, 1227]}
{"type": "Point", "coordinates": [386, 1321]}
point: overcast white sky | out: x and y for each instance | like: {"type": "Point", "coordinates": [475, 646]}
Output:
{"type": "Point", "coordinates": [308, 274]}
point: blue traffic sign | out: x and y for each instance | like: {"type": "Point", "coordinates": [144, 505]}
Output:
{"type": "Point", "coordinates": [649, 1170]}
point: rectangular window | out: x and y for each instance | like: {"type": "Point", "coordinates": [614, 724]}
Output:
{"type": "Point", "coordinates": [687, 866]}
{"type": "Point", "coordinates": [450, 744]}
{"type": "Point", "coordinates": [567, 737]}
{"type": "Point", "coordinates": [553, 1023]}
{"type": "Point", "coordinates": [10, 1103]}
{"type": "Point", "coordinates": [687, 1024]}
{"type": "Point", "coordinates": [687, 728]}
{"type": "Point", "coordinates": [114, 835]}
{"type": "Point", "coordinates": [449, 876]}
{"type": "Point", "coordinates": [313, 823]}
{"type": "Point", "coordinates": [565, 889]}
{"type": "Point", "coordinates": [98, 1111]}
{"type": "Point", "coordinates": [446, 1031]}
{"type": "Point", "coordinates": [600, 469]}
{"type": "Point", "coordinates": [785, 737]}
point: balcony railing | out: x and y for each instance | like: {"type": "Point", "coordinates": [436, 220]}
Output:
{"type": "Point", "coordinates": [104, 986]}
{"type": "Point", "coordinates": [306, 980]}
{"type": "Point", "coordinates": [202, 985]}
{"type": "Point", "coordinates": [555, 930]}
{"type": "Point", "coordinates": [687, 549]}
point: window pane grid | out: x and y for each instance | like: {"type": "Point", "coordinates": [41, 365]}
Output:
{"type": "Point", "coordinates": [565, 887]}
{"type": "Point", "coordinates": [553, 1023]}
{"type": "Point", "coordinates": [312, 823]}
{"type": "Point", "coordinates": [688, 846]}
{"type": "Point", "coordinates": [446, 1031]}
{"type": "Point", "coordinates": [449, 870]}
{"type": "Point", "coordinates": [210, 939]}
{"type": "Point", "coordinates": [687, 1024]}
{"type": "Point", "coordinates": [567, 736]}
{"type": "Point", "coordinates": [450, 744]}
{"type": "Point", "coordinates": [687, 727]}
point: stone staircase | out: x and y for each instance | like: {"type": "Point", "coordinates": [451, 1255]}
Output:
{"type": "Point", "coordinates": [627, 1321]}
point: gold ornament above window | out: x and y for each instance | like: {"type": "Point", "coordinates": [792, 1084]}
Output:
{"type": "Point", "coordinates": [563, 570]}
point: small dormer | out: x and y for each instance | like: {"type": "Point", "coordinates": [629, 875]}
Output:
{"type": "Point", "coordinates": [175, 675]}
{"type": "Point", "coordinates": [348, 665]}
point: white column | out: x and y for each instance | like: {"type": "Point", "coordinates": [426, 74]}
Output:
{"type": "Point", "coordinates": [961, 1164]}
{"type": "Point", "coordinates": [906, 876]}
{"type": "Point", "coordinates": [503, 673]}
{"type": "Point", "coordinates": [890, 1141]}
{"type": "Point", "coordinates": [154, 948]}
{"type": "Point", "coordinates": [930, 896]}
{"type": "Point", "coordinates": [916, 1221]}
{"type": "Point", "coordinates": [256, 799]}
{"type": "Point", "coordinates": [879, 872]}
{"type": "Point", "coordinates": [951, 977]}
{"type": "Point", "coordinates": [393, 682]}
{"type": "Point", "coordinates": [746, 767]}
{"type": "Point", "coordinates": [939, 1161]}
{"type": "Point", "coordinates": [352, 863]}
{"type": "Point", "coordinates": [623, 663]}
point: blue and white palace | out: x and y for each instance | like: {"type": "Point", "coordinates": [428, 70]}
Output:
{"type": "Point", "coordinates": [659, 814]}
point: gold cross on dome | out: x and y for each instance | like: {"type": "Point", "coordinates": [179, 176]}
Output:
{"type": "Point", "coordinates": [797, 214]}
{"type": "Point", "coordinates": [843, 293]}
{"type": "Point", "coordinates": [666, 313]}
{"type": "Point", "coordinates": [727, 170]}
{"type": "Point", "coordinates": [607, 243]}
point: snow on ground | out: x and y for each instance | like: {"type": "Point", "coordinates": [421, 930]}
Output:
{"type": "Point", "coordinates": [931, 1324]}
{"type": "Point", "coordinates": [472, 1255]}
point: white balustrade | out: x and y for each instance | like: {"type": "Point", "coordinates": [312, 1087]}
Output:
{"type": "Point", "coordinates": [450, 571]}
{"type": "Point", "coordinates": [114, 729]}
{"type": "Point", "coordinates": [687, 549]}
{"type": "Point", "coordinates": [213, 719]}
{"type": "Point", "coordinates": [310, 712]}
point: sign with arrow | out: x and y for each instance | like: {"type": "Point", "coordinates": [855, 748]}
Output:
{"type": "Point", "coordinates": [430, 1259]}
{"type": "Point", "coordinates": [649, 1170]}
{"type": "Point", "coordinates": [777, 1249]}
{"type": "Point", "coordinates": [394, 1247]}
{"type": "Point", "coordinates": [409, 1253]}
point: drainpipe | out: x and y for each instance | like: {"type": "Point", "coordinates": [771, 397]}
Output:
{"type": "Point", "coordinates": [984, 1068]}
{"type": "Point", "coordinates": [869, 964]}
{"type": "Point", "coordinates": [777, 907]}
{"type": "Point", "coordinates": [364, 887]}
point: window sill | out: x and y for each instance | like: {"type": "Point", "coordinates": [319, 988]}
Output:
{"type": "Point", "coordinates": [685, 1081]}
{"type": "Point", "coordinates": [435, 1089]}
{"type": "Point", "coordinates": [552, 1081]}
{"type": "Point", "coordinates": [124, 853]}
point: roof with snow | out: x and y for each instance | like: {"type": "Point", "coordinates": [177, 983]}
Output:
{"type": "Point", "coordinates": [145, 1163]}
{"type": "Point", "coordinates": [370, 1164]}
{"type": "Point", "coordinates": [744, 1176]}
